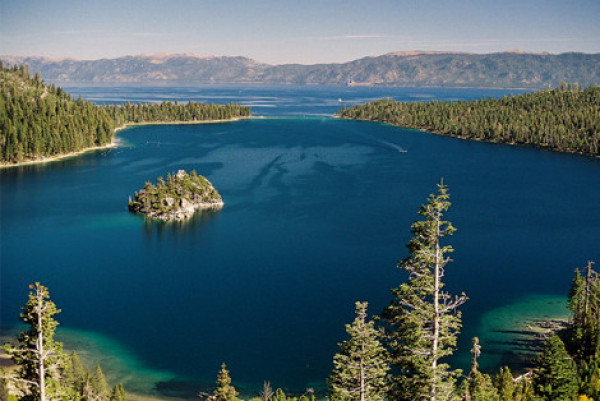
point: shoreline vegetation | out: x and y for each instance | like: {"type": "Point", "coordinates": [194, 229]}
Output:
{"type": "Point", "coordinates": [116, 142]}
{"type": "Point", "coordinates": [418, 329]}
{"type": "Point", "coordinates": [42, 123]}
{"type": "Point", "coordinates": [563, 120]}
{"type": "Point", "coordinates": [177, 198]}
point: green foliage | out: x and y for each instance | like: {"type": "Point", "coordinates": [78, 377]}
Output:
{"type": "Point", "coordinates": [583, 335]}
{"type": "Point", "coordinates": [280, 395]}
{"type": "Point", "coordinates": [174, 112]}
{"type": "Point", "coordinates": [98, 386]}
{"type": "Point", "coordinates": [361, 366]}
{"type": "Point", "coordinates": [164, 199]}
{"type": "Point", "coordinates": [524, 390]}
{"type": "Point", "coordinates": [74, 373]}
{"type": "Point", "coordinates": [563, 119]}
{"type": "Point", "coordinates": [118, 393]}
{"type": "Point", "coordinates": [504, 382]}
{"type": "Point", "coordinates": [556, 379]}
{"type": "Point", "coordinates": [37, 356]}
{"type": "Point", "coordinates": [39, 120]}
{"type": "Point", "coordinates": [4, 391]}
{"type": "Point", "coordinates": [422, 321]}
{"type": "Point", "coordinates": [478, 387]}
{"type": "Point", "coordinates": [224, 390]}
{"type": "Point", "coordinates": [43, 372]}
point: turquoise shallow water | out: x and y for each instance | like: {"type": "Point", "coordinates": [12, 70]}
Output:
{"type": "Point", "coordinates": [507, 329]}
{"type": "Point", "coordinates": [317, 212]}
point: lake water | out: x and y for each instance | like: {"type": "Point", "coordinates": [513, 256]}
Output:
{"type": "Point", "coordinates": [317, 212]}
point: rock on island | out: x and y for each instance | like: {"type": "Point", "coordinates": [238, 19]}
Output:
{"type": "Point", "coordinates": [177, 198]}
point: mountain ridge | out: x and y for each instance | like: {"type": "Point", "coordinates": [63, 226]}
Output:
{"type": "Point", "coordinates": [510, 69]}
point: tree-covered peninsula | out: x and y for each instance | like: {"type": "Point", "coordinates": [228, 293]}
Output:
{"type": "Point", "coordinates": [42, 121]}
{"type": "Point", "coordinates": [566, 119]}
{"type": "Point", "coordinates": [177, 198]}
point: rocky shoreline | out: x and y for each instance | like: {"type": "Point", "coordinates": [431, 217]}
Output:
{"type": "Point", "coordinates": [177, 198]}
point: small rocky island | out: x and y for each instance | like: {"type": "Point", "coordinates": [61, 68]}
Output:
{"type": "Point", "coordinates": [176, 199]}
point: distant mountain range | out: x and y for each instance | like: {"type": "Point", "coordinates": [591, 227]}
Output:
{"type": "Point", "coordinates": [419, 69]}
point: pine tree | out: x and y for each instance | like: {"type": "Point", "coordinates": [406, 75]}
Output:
{"type": "Point", "coordinates": [584, 302]}
{"type": "Point", "coordinates": [279, 395]}
{"type": "Point", "coordinates": [422, 321]}
{"type": "Point", "coordinates": [37, 356]}
{"type": "Point", "coordinates": [99, 385]}
{"type": "Point", "coordinates": [74, 373]}
{"type": "Point", "coordinates": [556, 379]}
{"type": "Point", "coordinates": [118, 393]}
{"type": "Point", "coordinates": [224, 391]}
{"type": "Point", "coordinates": [524, 390]}
{"type": "Point", "coordinates": [505, 384]}
{"type": "Point", "coordinates": [482, 388]}
{"type": "Point", "coordinates": [478, 386]}
{"type": "Point", "coordinates": [361, 366]}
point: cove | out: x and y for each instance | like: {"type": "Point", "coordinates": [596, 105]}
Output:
{"type": "Point", "coordinates": [317, 212]}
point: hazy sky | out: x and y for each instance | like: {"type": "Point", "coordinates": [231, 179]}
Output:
{"type": "Point", "coordinates": [299, 31]}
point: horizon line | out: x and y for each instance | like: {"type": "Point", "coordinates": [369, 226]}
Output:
{"type": "Point", "coordinates": [402, 53]}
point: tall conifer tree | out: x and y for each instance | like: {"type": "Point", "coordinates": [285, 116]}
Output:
{"type": "Point", "coordinates": [556, 379]}
{"type": "Point", "coordinates": [422, 321]}
{"type": "Point", "coordinates": [118, 393]}
{"type": "Point", "coordinates": [361, 366]}
{"type": "Point", "coordinates": [74, 374]}
{"type": "Point", "coordinates": [99, 386]}
{"type": "Point", "coordinates": [37, 356]}
{"type": "Point", "coordinates": [504, 381]}
{"type": "Point", "coordinates": [479, 386]}
{"type": "Point", "coordinates": [225, 390]}
{"type": "Point", "coordinates": [584, 302]}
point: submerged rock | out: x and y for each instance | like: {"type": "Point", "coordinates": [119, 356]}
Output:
{"type": "Point", "coordinates": [177, 198]}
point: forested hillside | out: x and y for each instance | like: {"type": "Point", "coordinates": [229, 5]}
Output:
{"type": "Point", "coordinates": [39, 120]}
{"type": "Point", "coordinates": [565, 119]}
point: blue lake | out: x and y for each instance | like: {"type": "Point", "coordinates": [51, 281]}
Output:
{"type": "Point", "coordinates": [317, 212]}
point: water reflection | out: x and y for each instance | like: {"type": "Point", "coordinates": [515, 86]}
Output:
{"type": "Point", "coordinates": [159, 229]}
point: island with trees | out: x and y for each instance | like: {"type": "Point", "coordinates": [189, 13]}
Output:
{"type": "Point", "coordinates": [40, 121]}
{"type": "Point", "coordinates": [565, 119]}
{"type": "Point", "coordinates": [399, 356]}
{"type": "Point", "coordinates": [177, 198]}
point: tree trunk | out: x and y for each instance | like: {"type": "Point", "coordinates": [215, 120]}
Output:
{"type": "Point", "coordinates": [436, 314]}
{"type": "Point", "coordinates": [362, 367]}
{"type": "Point", "coordinates": [40, 346]}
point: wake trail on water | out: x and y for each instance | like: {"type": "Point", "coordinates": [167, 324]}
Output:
{"type": "Point", "coordinates": [386, 144]}
{"type": "Point", "coordinates": [392, 145]}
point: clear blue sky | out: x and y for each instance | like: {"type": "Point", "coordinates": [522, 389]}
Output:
{"type": "Point", "coordinates": [298, 31]}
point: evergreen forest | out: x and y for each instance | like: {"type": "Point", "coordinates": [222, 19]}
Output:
{"type": "Point", "coordinates": [179, 194]}
{"type": "Point", "coordinates": [565, 119]}
{"type": "Point", "coordinates": [39, 120]}
{"type": "Point", "coordinates": [400, 355]}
